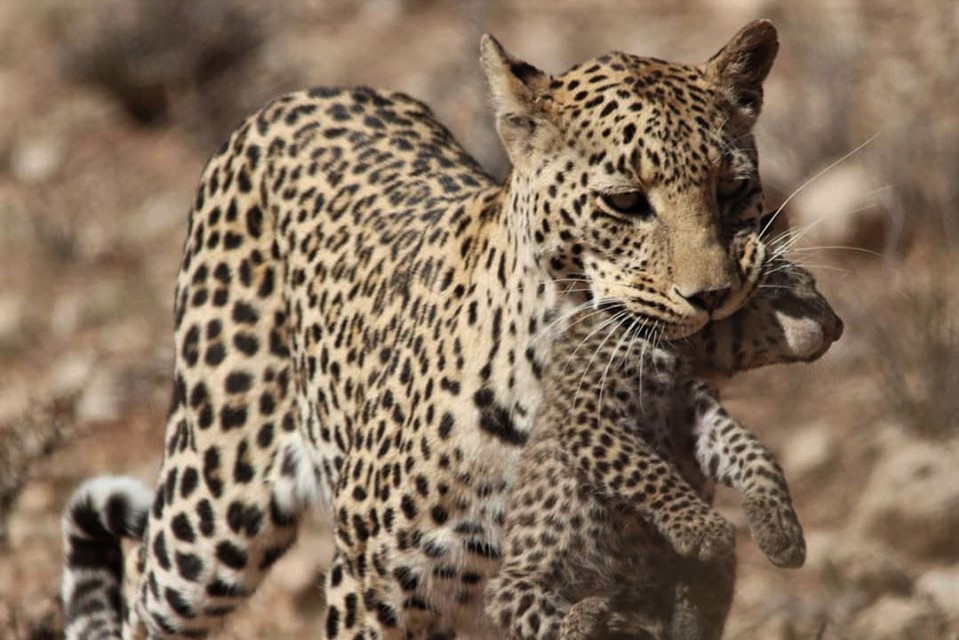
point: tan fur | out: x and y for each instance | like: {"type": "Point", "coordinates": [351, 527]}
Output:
{"type": "Point", "coordinates": [363, 317]}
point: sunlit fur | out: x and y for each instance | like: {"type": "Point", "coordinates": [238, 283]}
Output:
{"type": "Point", "coordinates": [668, 130]}
{"type": "Point", "coordinates": [359, 317]}
{"type": "Point", "coordinates": [609, 522]}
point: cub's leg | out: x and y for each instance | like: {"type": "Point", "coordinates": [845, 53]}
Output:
{"type": "Point", "coordinates": [632, 474]}
{"type": "Point", "coordinates": [552, 527]}
{"type": "Point", "coordinates": [703, 597]}
{"type": "Point", "coordinates": [731, 454]}
{"type": "Point", "coordinates": [606, 442]}
{"type": "Point", "coordinates": [548, 520]}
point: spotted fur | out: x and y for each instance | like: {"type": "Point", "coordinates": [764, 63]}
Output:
{"type": "Point", "coordinates": [360, 320]}
{"type": "Point", "coordinates": [608, 527]}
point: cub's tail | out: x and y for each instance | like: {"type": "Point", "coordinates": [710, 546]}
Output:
{"type": "Point", "coordinates": [101, 512]}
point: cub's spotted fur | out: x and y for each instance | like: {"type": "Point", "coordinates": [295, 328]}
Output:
{"type": "Point", "coordinates": [609, 525]}
{"type": "Point", "coordinates": [356, 322]}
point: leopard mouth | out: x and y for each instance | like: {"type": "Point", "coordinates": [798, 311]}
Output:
{"type": "Point", "coordinates": [648, 325]}
{"type": "Point", "coordinates": [639, 325]}
{"type": "Point", "coordinates": [647, 312]}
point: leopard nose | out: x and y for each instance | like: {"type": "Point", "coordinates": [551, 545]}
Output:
{"type": "Point", "coordinates": [707, 299]}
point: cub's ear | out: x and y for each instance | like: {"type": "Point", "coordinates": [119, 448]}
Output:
{"type": "Point", "coordinates": [741, 67]}
{"type": "Point", "coordinates": [516, 89]}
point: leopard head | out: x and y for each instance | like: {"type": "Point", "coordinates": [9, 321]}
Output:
{"type": "Point", "coordinates": [636, 180]}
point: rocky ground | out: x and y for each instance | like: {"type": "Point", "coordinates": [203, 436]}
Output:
{"type": "Point", "coordinates": [106, 118]}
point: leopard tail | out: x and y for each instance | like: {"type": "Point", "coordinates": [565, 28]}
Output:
{"type": "Point", "coordinates": [101, 512]}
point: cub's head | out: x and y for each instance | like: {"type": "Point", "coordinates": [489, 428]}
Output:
{"type": "Point", "coordinates": [633, 176]}
{"type": "Point", "coordinates": [786, 320]}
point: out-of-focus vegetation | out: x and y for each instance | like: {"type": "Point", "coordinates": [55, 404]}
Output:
{"type": "Point", "coordinates": [108, 109]}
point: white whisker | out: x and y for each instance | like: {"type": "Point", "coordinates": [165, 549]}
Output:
{"type": "Point", "coordinates": [589, 364]}
{"type": "Point", "coordinates": [785, 247]}
{"type": "Point", "coordinates": [837, 248]}
{"type": "Point", "coordinates": [815, 177]}
{"type": "Point", "coordinates": [602, 325]}
{"type": "Point", "coordinates": [612, 356]}
{"type": "Point", "coordinates": [566, 315]}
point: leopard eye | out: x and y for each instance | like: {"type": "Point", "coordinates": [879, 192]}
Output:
{"type": "Point", "coordinates": [729, 190]}
{"type": "Point", "coordinates": [631, 203]}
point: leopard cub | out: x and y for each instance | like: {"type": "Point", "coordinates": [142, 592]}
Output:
{"type": "Point", "coordinates": [609, 524]}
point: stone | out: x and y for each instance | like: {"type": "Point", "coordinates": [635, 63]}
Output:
{"type": "Point", "coordinates": [36, 160]}
{"type": "Point", "coordinates": [863, 567]}
{"type": "Point", "coordinates": [99, 401]}
{"type": "Point", "coordinates": [12, 311]}
{"type": "Point", "coordinates": [809, 451]}
{"type": "Point", "coordinates": [911, 501]}
{"type": "Point", "coordinates": [898, 618]}
{"type": "Point", "coordinates": [157, 215]}
{"type": "Point", "coordinates": [845, 207]}
{"type": "Point", "coordinates": [70, 374]}
{"type": "Point", "coordinates": [942, 586]}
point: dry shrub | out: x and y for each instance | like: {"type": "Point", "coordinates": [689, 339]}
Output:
{"type": "Point", "coordinates": [190, 62]}
{"type": "Point", "coordinates": [45, 622]}
{"type": "Point", "coordinates": [915, 334]}
{"type": "Point", "coordinates": [880, 67]}
{"type": "Point", "coordinates": [24, 443]}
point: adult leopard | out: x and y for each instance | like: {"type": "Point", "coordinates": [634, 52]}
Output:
{"type": "Point", "coordinates": [363, 317]}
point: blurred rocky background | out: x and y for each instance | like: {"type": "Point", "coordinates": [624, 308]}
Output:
{"type": "Point", "coordinates": [109, 108]}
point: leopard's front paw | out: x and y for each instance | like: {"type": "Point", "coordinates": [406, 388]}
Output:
{"type": "Point", "coordinates": [706, 536]}
{"type": "Point", "coordinates": [776, 529]}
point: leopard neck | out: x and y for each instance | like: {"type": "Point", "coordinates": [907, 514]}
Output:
{"type": "Point", "coordinates": [511, 299]}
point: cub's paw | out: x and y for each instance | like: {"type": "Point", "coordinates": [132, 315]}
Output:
{"type": "Point", "coordinates": [776, 529]}
{"type": "Point", "coordinates": [586, 619]}
{"type": "Point", "coordinates": [705, 536]}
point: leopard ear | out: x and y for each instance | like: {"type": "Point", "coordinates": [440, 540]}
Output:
{"type": "Point", "coordinates": [516, 88]}
{"type": "Point", "coordinates": [741, 67]}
